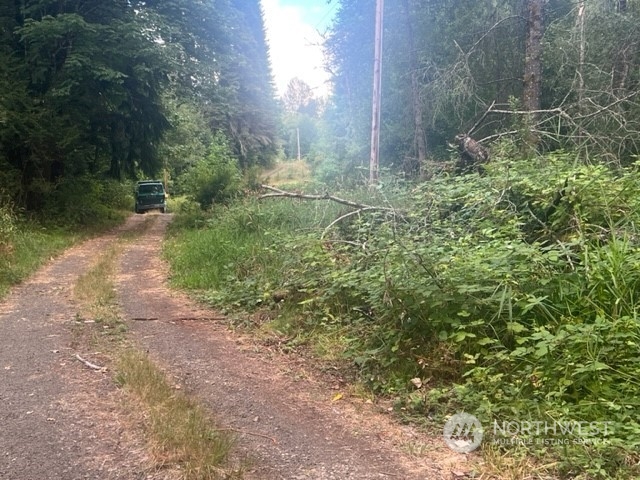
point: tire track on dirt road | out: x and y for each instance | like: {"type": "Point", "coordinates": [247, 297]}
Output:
{"type": "Point", "coordinates": [60, 420]}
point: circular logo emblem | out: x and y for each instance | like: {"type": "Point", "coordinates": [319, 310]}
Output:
{"type": "Point", "coordinates": [463, 433]}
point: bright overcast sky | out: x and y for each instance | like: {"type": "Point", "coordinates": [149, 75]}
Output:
{"type": "Point", "coordinates": [294, 42]}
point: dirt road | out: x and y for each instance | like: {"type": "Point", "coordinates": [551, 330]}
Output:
{"type": "Point", "coordinates": [61, 420]}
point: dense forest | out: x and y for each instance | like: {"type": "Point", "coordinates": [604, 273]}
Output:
{"type": "Point", "coordinates": [128, 89]}
{"type": "Point", "coordinates": [120, 89]}
{"type": "Point", "coordinates": [494, 269]}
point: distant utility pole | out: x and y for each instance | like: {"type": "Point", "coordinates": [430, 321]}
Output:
{"type": "Point", "coordinates": [298, 137]}
{"type": "Point", "coordinates": [377, 90]}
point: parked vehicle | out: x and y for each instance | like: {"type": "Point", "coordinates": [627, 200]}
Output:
{"type": "Point", "coordinates": [150, 195]}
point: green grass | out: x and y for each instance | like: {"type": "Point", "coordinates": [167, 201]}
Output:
{"type": "Point", "coordinates": [28, 245]}
{"type": "Point", "coordinates": [29, 248]}
{"type": "Point", "coordinates": [180, 431]}
{"type": "Point", "coordinates": [96, 294]}
{"type": "Point", "coordinates": [209, 250]}
{"type": "Point", "coordinates": [293, 172]}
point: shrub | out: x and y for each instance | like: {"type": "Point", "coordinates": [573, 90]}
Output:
{"type": "Point", "coordinates": [513, 292]}
{"type": "Point", "coordinates": [215, 179]}
{"type": "Point", "coordinates": [85, 201]}
{"type": "Point", "coordinates": [7, 224]}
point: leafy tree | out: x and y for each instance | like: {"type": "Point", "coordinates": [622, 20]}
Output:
{"type": "Point", "coordinates": [299, 98]}
{"type": "Point", "coordinates": [87, 85]}
{"type": "Point", "coordinates": [186, 143]}
{"type": "Point", "coordinates": [252, 123]}
{"type": "Point", "coordinates": [452, 62]}
{"type": "Point", "coordinates": [215, 179]}
{"type": "Point", "coordinates": [109, 88]}
{"type": "Point", "coordinates": [349, 50]}
{"type": "Point", "coordinates": [300, 123]}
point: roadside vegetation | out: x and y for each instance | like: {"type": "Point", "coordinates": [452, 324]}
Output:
{"type": "Point", "coordinates": [181, 433]}
{"type": "Point", "coordinates": [73, 211]}
{"type": "Point", "coordinates": [510, 294]}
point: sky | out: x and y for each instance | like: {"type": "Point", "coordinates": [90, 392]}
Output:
{"type": "Point", "coordinates": [294, 42]}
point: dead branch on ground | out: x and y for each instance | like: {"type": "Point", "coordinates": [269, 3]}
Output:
{"type": "Point", "coordinates": [325, 196]}
{"type": "Point", "coordinates": [93, 366]}
{"type": "Point", "coordinates": [359, 207]}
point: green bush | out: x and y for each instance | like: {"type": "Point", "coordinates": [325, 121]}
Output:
{"type": "Point", "coordinates": [7, 223]}
{"type": "Point", "coordinates": [215, 179]}
{"type": "Point", "coordinates": [87, 202]}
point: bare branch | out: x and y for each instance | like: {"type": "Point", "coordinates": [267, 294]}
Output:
{"type": "Point", "coordinates": [481, 118]}
{"type": "Point", "coordinates": [607, 107]}
{"type": "Point", "coordinates": [93, 366]}
{"type": "Point", "coordinates": [326, 196]}
{"type": "Point", "coordinates": [495, 25]}
{"type": "Point", "coordinates": [339, 219]}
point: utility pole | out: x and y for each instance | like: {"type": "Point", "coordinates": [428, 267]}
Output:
{"type": "Point", "coordinates": [298, 137]}
{"type": "Point", "coordinates": [377, 91]}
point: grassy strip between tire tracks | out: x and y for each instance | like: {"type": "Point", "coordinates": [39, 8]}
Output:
{"type": "Point", "coordinates": [180, 433]}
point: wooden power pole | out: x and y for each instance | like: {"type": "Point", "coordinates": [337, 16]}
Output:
{"type": "Point", "coordinates": [377, 91]}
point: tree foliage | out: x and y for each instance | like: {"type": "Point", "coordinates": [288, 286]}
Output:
{"type": "Point", "coordinates": [300, 123]}
{"type": "Point", "coordinates": [576, 64]}
{"type": "Point", "coordinates": [99, 88]}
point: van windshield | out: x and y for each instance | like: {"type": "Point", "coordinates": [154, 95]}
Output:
{"type": "Point", "coordinates": [150, 188]}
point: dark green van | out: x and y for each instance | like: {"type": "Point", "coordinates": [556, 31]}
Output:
{"type": "Point", "coordinates": [150, 195]}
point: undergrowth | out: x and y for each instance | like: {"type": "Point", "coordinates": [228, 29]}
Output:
{"type": "Point", "coordinates": [72, 211]}
{"type": "Point", "coordinates": [27, 247]}
{"type": "Point", "coordinates": [511, 295]}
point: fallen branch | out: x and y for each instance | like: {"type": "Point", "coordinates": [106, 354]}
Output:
{"type": "Point", "coordinates": [481, 118]}
{"type": "Point", "coordinates": [346, 215]}
{"type": "Point", "coordinates": [91, 365]}
{"type": "Point", "coordinates": [326, 196]}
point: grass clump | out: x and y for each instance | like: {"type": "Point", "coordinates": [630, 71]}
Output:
{"type": "Point", "coordinates": [69, 213]}
{"type": "Point", "coordinates": [292, 172]}
{"type": "Point", "coordinates": [95, 290]}
{"type": "Point", "coordinates": [180, 431]}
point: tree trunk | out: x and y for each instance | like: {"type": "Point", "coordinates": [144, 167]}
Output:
{"type": "Point", "coordinates": [533, 55]}
{"type": "Point", "coordinates": [532, 87]}
{"type": "Point", "coordinates": [419, 140]}
{"type": "Point", "coordinates": [622, 63]}
{"type": "Point", "coordinates": [582, 48]}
